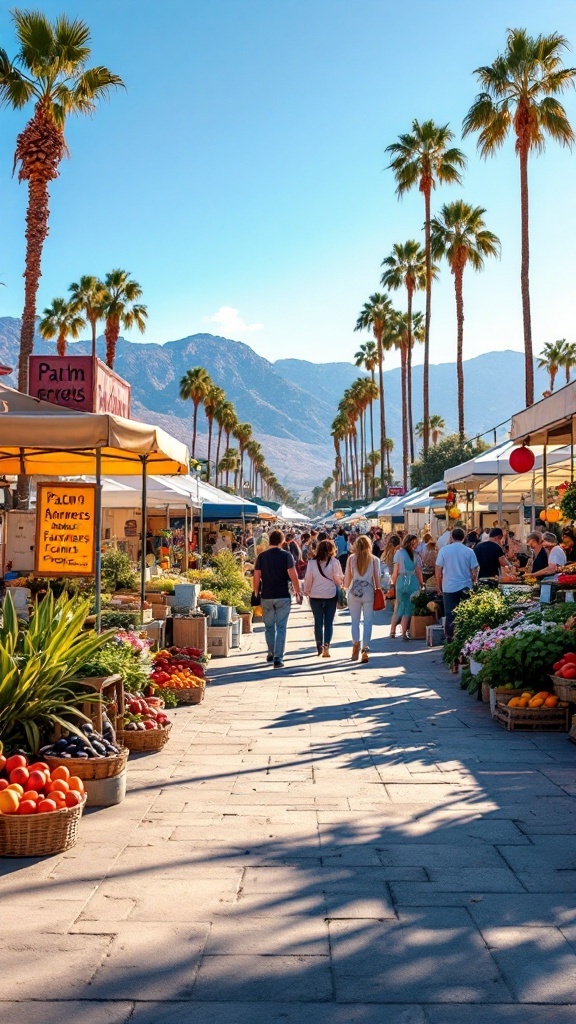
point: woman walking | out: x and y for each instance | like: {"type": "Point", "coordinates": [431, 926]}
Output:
{"type": "Point", "coordinates": [362, 580]}
{"type": "Point", "coordinates": [407, 579]}
{"type": "Point", "coordinates": [389, 552]}
{"type": "Point", "coordinates": [323, 576]}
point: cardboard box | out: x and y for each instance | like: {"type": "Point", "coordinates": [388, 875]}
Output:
{"type": "Point", "coordinates": [191, 632]}
{"type": "Point", "coordinates": [219, 641]}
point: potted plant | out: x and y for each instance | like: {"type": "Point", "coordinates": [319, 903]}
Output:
{"type": "Point", "coordinates": [245, 613]}
{"type": "Point", "coordinates": [422, 616]}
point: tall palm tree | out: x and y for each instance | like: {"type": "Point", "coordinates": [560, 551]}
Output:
{"type": "Point", "coordinates": [229, 421]}
{"type": "Point", "coordinates": [243, 433]}
{"type": "Point", "coordinates": [374, 316]}
{"type": "Point", "coordinates": [194, 385]}
{"type": "Point", "coordinates": [552, 357]}
{"type": "Point", "coordinates": [389, 448]}
{"type": "Point", "coordinates": [49, 70]}
{"type": "Point", "coordinates": [225, 408]}
{"type": "Point", "coordinates": [459, 233]}
{"type": "Point", "coordinates": [120, 309]}
{"type": "Point", "coordinates": [367, 356]}
{"type": "Point", "coordinates": [228, 463]}
{"type": "Point", "coordinates": [569, 359]}
{"type": "Point", "coordinates": [423, 157]}
{"type": "Point", "coordinates": [214, 395]}
{"type": "Point", "coordinates": [60, 321]}
{"type": "Point", "coordinates": [373, 458]}
{"type": "Point", "coordinates": [417, 336]}
{"type": "Point", "coordinates": [437, 428]}
{"type": "Point", "coordinates": [86, 296]}
{"type": "Point", "coordinates": [339, 432]}
{"type": "Point", "coordinates": [519, 92]}
{"type": "Point", "coordinates": [406, 267]}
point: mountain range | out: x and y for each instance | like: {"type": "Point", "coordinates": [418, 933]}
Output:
{"type": "Point", "coordinates": [291, 402]}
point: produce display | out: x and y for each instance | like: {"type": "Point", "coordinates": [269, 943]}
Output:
{"type": "Point", "coordinates": [544, 699]}
{"type": "Point", "coordinates": [29, 787]}
{"type": "Point", "coordinates": [179, 668]}
{"type": "Point", "coordinates": [141, 714]}
{"type": "Point", "coordinates": [91, 744]}
{"type": "Point", "coordinates": [566, 666]}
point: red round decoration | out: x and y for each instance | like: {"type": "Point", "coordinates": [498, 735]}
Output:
{"type": "Point", "coordinates": [521, 459]}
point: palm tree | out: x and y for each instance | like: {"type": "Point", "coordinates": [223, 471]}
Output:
{"type": "Point", "coordinates": [119, 308]}
{"type": "Point", "coordinates": [374, 316]}
{"type": "Point", "coordinates": [407, 267]}
{"type": "Point", "coordinates": [86, 297]}
{"type": "Point", "coordinates": [460, 234]}
{"type": "Point", "coordinates": [339, 432]}
{"type": "Point", "coordinates": [49, 71]}
{"type": "Point", "coordinates": [243, 433]}
{"type": "Point", "coordinates": [225, 408]}
{"type": "Point", "coordinates": [423, 157]}
{"type": "Point", "coordinates": [417, 337]}
{"type": "Point", "coordinates": [194, 385]}
{"type": "Point", "coordinates": [60, 321]}
{"type": "Point", "coordinates": [228, 463]}
{"type": "Point", "coordinates": [214, 395]}
{"type": "Point", "coordinates": [569, 359]}
{"type": "Point", "coordinates": [373, 458]}
{"type": "Point", "coordinates": [229, 421]}
{"type": "Point", "coordinates": [519, 92]}
{"type": "Point", "coordinates": [437, 428]}
{"type": "Point", "coordinates": [367, 356]}
{"type": "Point", "coordinates": [389, 448]}
{"type": "Point", "coordinates": [552, 357]}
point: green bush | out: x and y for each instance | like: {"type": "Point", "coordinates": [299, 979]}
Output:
{"type": "Point", "coordinates": [484, 609]}
{"type": "Point", "coordinates": [123, 659]}
{"type": "Point", "coordinates": [117, 573]}
{"type": "Point", "coordinates": [527, 659]}
{"type": "Point", "coordinates": [120, 620]}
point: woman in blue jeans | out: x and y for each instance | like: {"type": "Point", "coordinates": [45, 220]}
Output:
{"type": "Point", "coordinates": [323, 576]}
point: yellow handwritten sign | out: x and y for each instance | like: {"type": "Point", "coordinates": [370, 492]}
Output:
{"type": "Point", "coordinates": [65, 529]}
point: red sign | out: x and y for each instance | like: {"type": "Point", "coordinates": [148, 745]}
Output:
{"type": "Point", "coordinates": [79, 382]}
{"type": "Point", "coordinates": [396, 492]}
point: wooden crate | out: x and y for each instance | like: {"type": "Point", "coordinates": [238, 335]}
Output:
{"type": "Point", "coordinates": [531, 719]}
{"type": "Point", "coordinates": [191, 632]}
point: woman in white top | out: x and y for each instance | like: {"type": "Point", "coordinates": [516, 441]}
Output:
{"type": "Point", "coordinates": [362, 579]}
{"type": "Point", "coordinates": [323, 576]}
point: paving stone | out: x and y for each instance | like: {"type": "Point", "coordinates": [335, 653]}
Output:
{"type": "Point", "coordinates": [268, 935]}
{"type": "Point", "coordinates": [142, 966]}
{"type": "Point", "coordinates": [264, 978]}
{"type": "Point", "coordinates": [271, 1013]}
{"type": "Point", "coordinates": [55, 1012]}
{"type": "Point", "coordinates": [502, 1014]}
{"type": "Point", "coordinates": [42, 966]}
{"type": "Point", "coordinates": [539, 963]}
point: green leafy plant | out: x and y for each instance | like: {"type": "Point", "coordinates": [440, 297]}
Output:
{"type": "Point", "coordinates": [484, 609]}
{"type": "Point", "coordinates": [120, 620]}
{"type": "Point", "coordinates": [420, 601]}
{"type": "Point", "coordinates": [117, 573]}
{"type": "Point", "coordinates": [119, 658]}
{"type": "Point", "coordinates": [527, 658]}
{"type": "Point", "coordinates": [568, 503]}
{"type": "Point", "coordinates": [38, 669]}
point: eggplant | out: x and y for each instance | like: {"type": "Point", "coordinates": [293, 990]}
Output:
{"type": "Point", "coordinates": [98, 747]}
{"type": "Point", "coordinates": [60, 745]}
{"type": "Point", "coordinates": [82, 755]}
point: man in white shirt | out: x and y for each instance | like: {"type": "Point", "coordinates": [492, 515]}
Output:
{"type": "Point", "coordinates": [556, 554]}
{"type": "Point", "coordinates": [445, 538]}
{"type": "Point", "coordinates": [456, 572]}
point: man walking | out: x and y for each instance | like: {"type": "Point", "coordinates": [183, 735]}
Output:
{"type": "Point", "coordinates": [273, 571]}
{"type": "Point", "coordinates": [456, 572]}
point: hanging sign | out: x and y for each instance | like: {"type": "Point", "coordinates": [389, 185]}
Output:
{"type": "Point", "coordinates": [79, 382]}
{"type": "Point", "coordinates": [65, 529]}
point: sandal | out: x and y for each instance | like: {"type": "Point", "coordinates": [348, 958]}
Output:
{"type": "Point", "coordinates": [355, 651]}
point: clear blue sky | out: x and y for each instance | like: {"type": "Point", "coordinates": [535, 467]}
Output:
{"type": "Point", "coordinates": [244, 169]}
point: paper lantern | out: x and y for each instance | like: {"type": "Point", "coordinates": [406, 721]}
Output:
{"type": "Point", "coordinates": [454, 513]}
{"type": "Point", "coordinates": [521, 459]}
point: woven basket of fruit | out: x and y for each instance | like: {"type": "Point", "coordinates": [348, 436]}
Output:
{"type": "Point", "coordinates": [193, 695]}
{"type": "Point", "coordinates": [543, 712]}
{"type": "Point", "coordinates": [91, 756]}
{"type": "Point", "coordinates": [147, 740]}
{"type": "Point", "coordinates": [101, 767]}
{"type": "Point", "coordinates": [39, 809]}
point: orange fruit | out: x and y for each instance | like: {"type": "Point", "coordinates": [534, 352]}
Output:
{"type": "Point", "coordinates": [542, 695]}
{"type": "Point", "coordinates": [20, 775]}
{"type": "Point", "coordinates": [16, 787]}
{"type": "Point", "coordinates": [523, 702]}
{"type": "Point", "coordinates": [73, 798]}
{"type": "Point", "coordinates": [31, 794]}
{"type": "Point", "coordinates": [551, 702]}
{"type": "Point", "coordinates": [9, 801]}
{"type": "Point", "coordinates": [3, 784]}
{"type": "Point", "coordinates": [61, 772]}
{"type": "Point", "coordinates": [59, 799]}
{"type": "Point", "coordinates": [39, 766]}
{"type": "Point", "coordinates": [45, 806]}
{"type": "Point", "coordinates": [76, 784]}
{"type": "Point", "coordinates": [16, 761]}
{"type": "Point", "coordinates": [536, 702]}
{"type": "Point", "coordinates": [36, 780]}
{"type": "Point", "coordinates": [59, 785]}
{"type": "Point", "coordinates": [27, 807]}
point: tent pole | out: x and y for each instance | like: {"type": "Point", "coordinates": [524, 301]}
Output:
{"type": "Point", "coordinates": [144, 533]}
{"type": "Point", "coordinates": [98, 539]}
{"type": "Point", "coordinates": [201, 534]}
{"type": "Point", "coordinates": [545, 472]}
{"type": "Point", "coordinates": [533, 500]}
{"type": "Point", "coordinates": [499, 499]}
{"type": "Point", "coordinates": [185, 538]}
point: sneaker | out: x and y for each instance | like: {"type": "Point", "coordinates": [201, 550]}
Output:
{"type": "Point", "coordinates": [278, 663]}
{"type": "Point", "coordinates": [269, 658]}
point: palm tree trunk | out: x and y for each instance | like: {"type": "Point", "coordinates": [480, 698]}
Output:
{"type": "Point", "coordinates": [209, 446]}
{"type": "Point", "coordinates": [218, 453]}
{"type": "Point", "coordinates": [404, 419]}
{"type": "Point", "coordinates": [36, 231]}
{"type": "Point", "coordinates": [553, 372]}
{"type": "Point", "coordinates": [382, 412]}
{"type": "Point", "coordinates": [426, 371]}
{"type": "Point", "coordinates": [111, 333]}
{"type": "Point", "coordinates": [194, 422]}
{"type": "Point", "coordinates": [356, 473]}
{"type": "Point", "coordinates": [362, 480]}
{"type": "Point", "coordinates": [458, 279]}
{"type": "Point", "coordinates": [409, 400]}
{"type": "Point", "coordinates": [93, 326]}
{"type": "Point", "coordinates": [524, 278]}
{"type": "Point", "coordinates": [372, 417]}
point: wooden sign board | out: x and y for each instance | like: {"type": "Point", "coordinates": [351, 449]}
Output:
{"type": "Point", "coordinates": [65, 529]}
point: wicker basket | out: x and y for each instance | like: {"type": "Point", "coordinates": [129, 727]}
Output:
{"type": "Point", "coordinates": [195, 695]}
{"type": "Point", "coordinates": [145, 741]}
{"type": "Point", "coordinates": [564, 688]}
{"type": "Point", "coordinates": [92, 767]}
{"type": "Point", "coordinates": [531, 719]}
{"type": "Point", "coordinates": [39, 835]}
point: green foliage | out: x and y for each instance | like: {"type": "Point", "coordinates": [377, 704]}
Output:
{"type": "Point", "coordinates": [117, 573]}
{"type": "Point", "coordinates": [120, 620]}
{"type": "Point", "coordinates": [121, 658]}
{"type": "Point", "coordinates": [449, 452]}
{"type": "Point", "coordinates": [227, 581]}
{"type": "Point", "coordinates": [568, 503]}
{"type": "Point", "coordinates": [484, 609]}
{"type": "Point", "coordinates": [38, 668]}
{"type": "Point", "coordinates": [161, 585]}
{"type": "Point", "coordinates": [420, 601]}
{"type": "Point", "coordinates": [526, 659]}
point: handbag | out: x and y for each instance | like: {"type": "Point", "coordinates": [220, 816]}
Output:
{"type": "Point", "coordinates": [255, 600]}
{"type": "Point", "coordinates": [341, 599]}
{"type": "Point", "coordinates": [379, 603]}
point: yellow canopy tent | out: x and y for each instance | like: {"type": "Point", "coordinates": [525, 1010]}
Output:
{"type": "Point", "coordinates": [37, 438]}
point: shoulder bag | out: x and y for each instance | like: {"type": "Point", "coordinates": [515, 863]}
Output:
{"type": "Point", "coordinates": [379, 602]}
{"type": "Point", "coordinates": [341, 599]}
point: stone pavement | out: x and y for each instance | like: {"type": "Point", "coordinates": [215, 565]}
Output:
{"type": "Point", "coordinates": [332, 843]}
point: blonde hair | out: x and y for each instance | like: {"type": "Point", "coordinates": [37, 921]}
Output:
{"type": "Point", "coordinates": [363, 552]}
